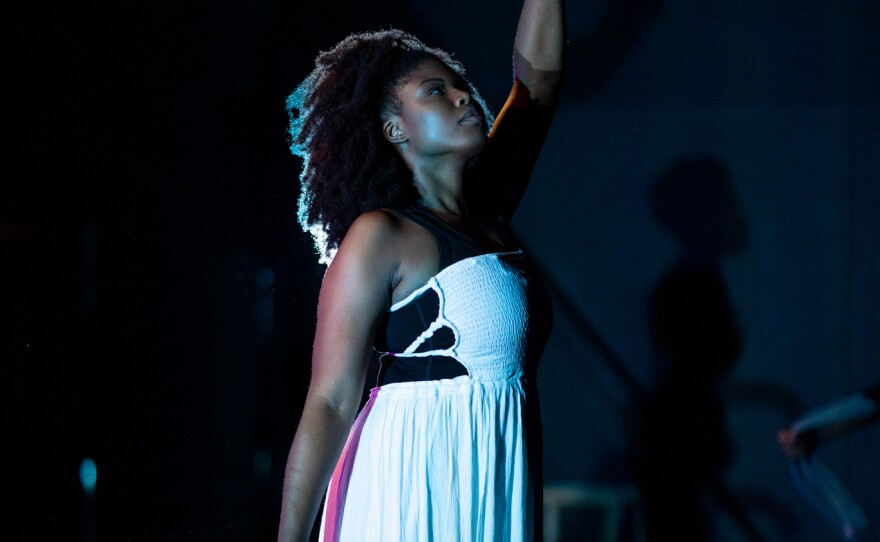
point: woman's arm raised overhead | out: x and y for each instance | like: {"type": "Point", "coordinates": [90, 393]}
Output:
{"type": "Point", "coordinates": [538, 49]}
{"type": "Point", "coordinates": [518, 133]}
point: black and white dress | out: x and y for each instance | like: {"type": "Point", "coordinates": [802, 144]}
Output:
{"type": "Point", "coordinates": [448, 445]}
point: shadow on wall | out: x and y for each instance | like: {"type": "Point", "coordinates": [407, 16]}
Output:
{"type": "Point", "coordinates": [684, 445]}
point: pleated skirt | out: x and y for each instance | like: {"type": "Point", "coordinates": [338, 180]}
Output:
{"type": "Point", "coordinates": [442, 461]}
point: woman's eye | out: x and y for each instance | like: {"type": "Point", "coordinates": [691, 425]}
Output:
{"type": "Point", "coordinates": [438, 91]}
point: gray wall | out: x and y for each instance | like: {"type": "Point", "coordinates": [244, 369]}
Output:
{"type": "Point", "coordinates": [785, 96]}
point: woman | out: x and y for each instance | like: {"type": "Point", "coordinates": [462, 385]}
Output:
{"type": "Point", "coordinates": [410, 202]}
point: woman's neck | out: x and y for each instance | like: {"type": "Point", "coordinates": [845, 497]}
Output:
{"type": "Point", "coordinates": [450, 207]}
{"type": "Point", "coordinates": [441, 187]}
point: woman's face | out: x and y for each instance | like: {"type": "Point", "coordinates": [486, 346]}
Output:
{"type": "Point", "coordinates": [438, 115]}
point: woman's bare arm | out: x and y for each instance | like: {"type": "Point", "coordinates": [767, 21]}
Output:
{"type": "Point", "coordinates": [354, 294]}
{"type": "Point", "coordinates": [829, 422]}
{"type": "Point", "coordinates": [522, 124]}
{"type": "Point", "coordinates": [538, 49]}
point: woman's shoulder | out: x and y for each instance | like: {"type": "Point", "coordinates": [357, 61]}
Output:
{"type": "Point", "coordinates": [372, 230]}
{"type": "Point", "coordinates": [368, 254]}
{"type": "Point", "coordinates": [378, 222]}
{"type": "Point", "coordinates": [388, 242]}
{"type": "Point", "coordinates": [385, 233]}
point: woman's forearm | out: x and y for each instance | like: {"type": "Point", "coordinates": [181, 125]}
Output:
{"type": "Point", "coordinates": [538, 49]}
{"type": "Point", "coordinates": [319, 440]}
{"type": "Point", "coordinates": [844, 411]}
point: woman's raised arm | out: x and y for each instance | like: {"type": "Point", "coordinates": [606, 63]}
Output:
{"type": "Point", "coordinates": [538, 49]}
{"type": "Point", "coordinates": [522, 124]}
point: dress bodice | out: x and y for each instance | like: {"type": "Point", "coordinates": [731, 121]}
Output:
{"type": "Point", "coordinates": [492, 313]}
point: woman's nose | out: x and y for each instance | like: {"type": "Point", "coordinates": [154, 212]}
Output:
{"type": "Point", "coordinates": [463, 98]}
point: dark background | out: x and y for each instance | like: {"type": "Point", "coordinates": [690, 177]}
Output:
{"type": "Point", "coordinates": [713, 172]}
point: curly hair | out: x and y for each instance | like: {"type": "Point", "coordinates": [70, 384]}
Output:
{"type": "Point", "coordinates": [335, 127]}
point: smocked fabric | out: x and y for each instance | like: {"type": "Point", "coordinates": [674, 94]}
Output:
{"type": "Point", "coordinates": [449, 459]}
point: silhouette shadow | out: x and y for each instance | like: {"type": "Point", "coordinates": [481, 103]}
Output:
{"type": "Point", "coordinates": [684, 445]}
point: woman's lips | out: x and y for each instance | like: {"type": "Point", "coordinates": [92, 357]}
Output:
{"type": "Point", "coordinates": [471, 116]}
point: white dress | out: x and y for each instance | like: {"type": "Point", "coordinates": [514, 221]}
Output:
{"type": "Point", "coordinates": [455, 459]}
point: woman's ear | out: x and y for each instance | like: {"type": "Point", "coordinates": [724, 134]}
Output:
{"type": "Point", "coordinates": [393, 132]}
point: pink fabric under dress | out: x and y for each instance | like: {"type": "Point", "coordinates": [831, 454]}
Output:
{"type": "Point", "coordinates": [456, 459]}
